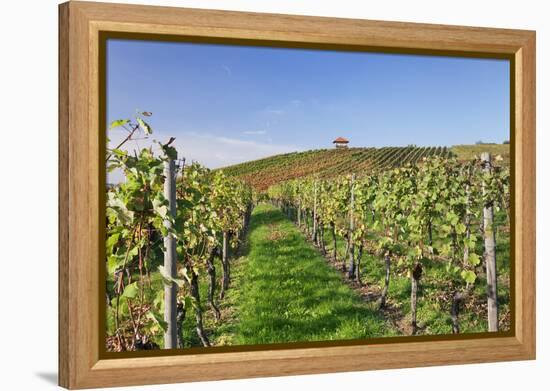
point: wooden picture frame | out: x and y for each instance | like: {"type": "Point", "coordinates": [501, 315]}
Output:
{"type": "Point", "coordinates": [81, 24]}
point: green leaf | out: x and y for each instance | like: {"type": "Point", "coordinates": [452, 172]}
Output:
{"type": "Point", "coordinates": [144, 126]}
{"type": "Point", "coordinates": [452, 218]}
{"type": "Point", "coordinates": [119, 152]}
{"type": "Point", "coordinates": [474, 259]}
{"type": "Point", "coordinates": [162, 211]}
{"type": "Point", "coordinates": [170, 152]}
{"type": "Point", "coordinates": [113, 263]}
{"type": "Point", "coordinates": [468, 276]}
{"type": "Point", "coordinates": [471, 242]}
{"type": "Point", "coordinates": [157, 318]}
{"type": "Point", "coordinates": [158, 302]}
{"type": "Point", "coordinates": [446, 228]}
{"type": "Point", "coordinates": [112, 241]}
{"type": "Point", "coordinates": [187, 302]}
{"type": "Point", "coordinates": [131, 291]}
{"type": "Point", "coordinates": [118, 122]}
{"type": "Point", "coordinates": [168, 279]}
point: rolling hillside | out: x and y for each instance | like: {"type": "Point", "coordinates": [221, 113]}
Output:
{"type": "Point", "coordinates": [332, 162]}
{"type": "Point", "coordinates": [468, 152]}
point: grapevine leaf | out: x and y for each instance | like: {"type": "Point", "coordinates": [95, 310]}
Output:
{"type": "Point", "coordinates": [144, 126]}
{"type": "Point", "coordinates": [460, 228]}
{"type": "Point", "coordinates": [188, 302]}
{"type": "Point", "coordinates": [168, 279]}
{"type": "Point", "coordinates": [130, 291]}
{"type": "Point", "coordinates": [118, 122]}
{"type": "Point", "coordinates": [112, 241]}
{"type": "Point", "coordinates": [113, 264]}
{"type": "Point", "coordinates": [468, 276]}
{"type": "Point", "coordinates": [157, 318]}
{"type": "Point", "coordinates": [474, 259]}
{"type": "Point", "coordinates": [170, 152]}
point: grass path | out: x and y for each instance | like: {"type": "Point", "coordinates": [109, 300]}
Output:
{"type": "Point", "coordinates": [284, 291]}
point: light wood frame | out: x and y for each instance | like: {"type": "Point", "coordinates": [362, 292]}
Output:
{"type": "Point", "coordinates": [80, 24]}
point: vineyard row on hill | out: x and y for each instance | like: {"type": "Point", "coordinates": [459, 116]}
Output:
{"type": "Point", "coordinates": [329, 163]}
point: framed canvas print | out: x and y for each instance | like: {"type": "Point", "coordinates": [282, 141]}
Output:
{"type": "Point", "coordinates": [247, 195]}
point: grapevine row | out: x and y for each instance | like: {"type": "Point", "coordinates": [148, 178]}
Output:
{"type": "Point", "coordinates": [210, 215]}
{"type": "Point", "coordinates": [408, 205]}
{"type": "Point", "coordinates": [263, 173]}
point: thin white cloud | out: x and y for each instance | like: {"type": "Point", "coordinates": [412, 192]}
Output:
{"type": "Point", "coordinates": [270, 110]}
{"type": "Point", "coordinates": [255, 132]}
{"type": "Point", "coordinates": [215, 151]}
{"type": "Point", "coordinates": [210, 150]}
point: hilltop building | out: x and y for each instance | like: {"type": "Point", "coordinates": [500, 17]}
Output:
{"type": "Point", "coordinates": [341, 142]}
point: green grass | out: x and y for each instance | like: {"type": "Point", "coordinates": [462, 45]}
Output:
{"type": "Point", "coordinates": [284, 291]}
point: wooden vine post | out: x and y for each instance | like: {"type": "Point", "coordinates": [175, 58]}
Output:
{"type": "Point", "coordinates": [299, 214]}
{"type": "Point", "coordinates": [314, 233]}
{"type": "Point", "coordinates": [490, 252]}
{"type": "Point", "coordinates": [225, 263]}
{"type": "Point", "coordinates": [387, 263]}
{"type": "Point", "coordinates": [170, 287]}
{"type": "Point", "coordinates": [351, 271]}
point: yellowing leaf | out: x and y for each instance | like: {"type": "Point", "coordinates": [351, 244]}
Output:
{"type": "Point", "coordinates": [118, 122]}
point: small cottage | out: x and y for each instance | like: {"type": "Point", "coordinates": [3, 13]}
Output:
{"type": "Point", "coordinates": [341, 142]}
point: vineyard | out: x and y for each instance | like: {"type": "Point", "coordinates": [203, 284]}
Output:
{"type": "Point", "coordinates": [307, 246]}
{"type": "Point", "coordinates": [331, 163]}
{"type": "Point", "coordinates": [431, 221]}
{"type": "Point", "coordinates": [166, 225]}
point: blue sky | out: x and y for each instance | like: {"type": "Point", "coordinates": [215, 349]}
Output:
{"type": "Point", "coordinates": [228, 104]}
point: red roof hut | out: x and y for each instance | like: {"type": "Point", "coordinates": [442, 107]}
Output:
{"type": "Point", "coordinates": [341, 142]}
